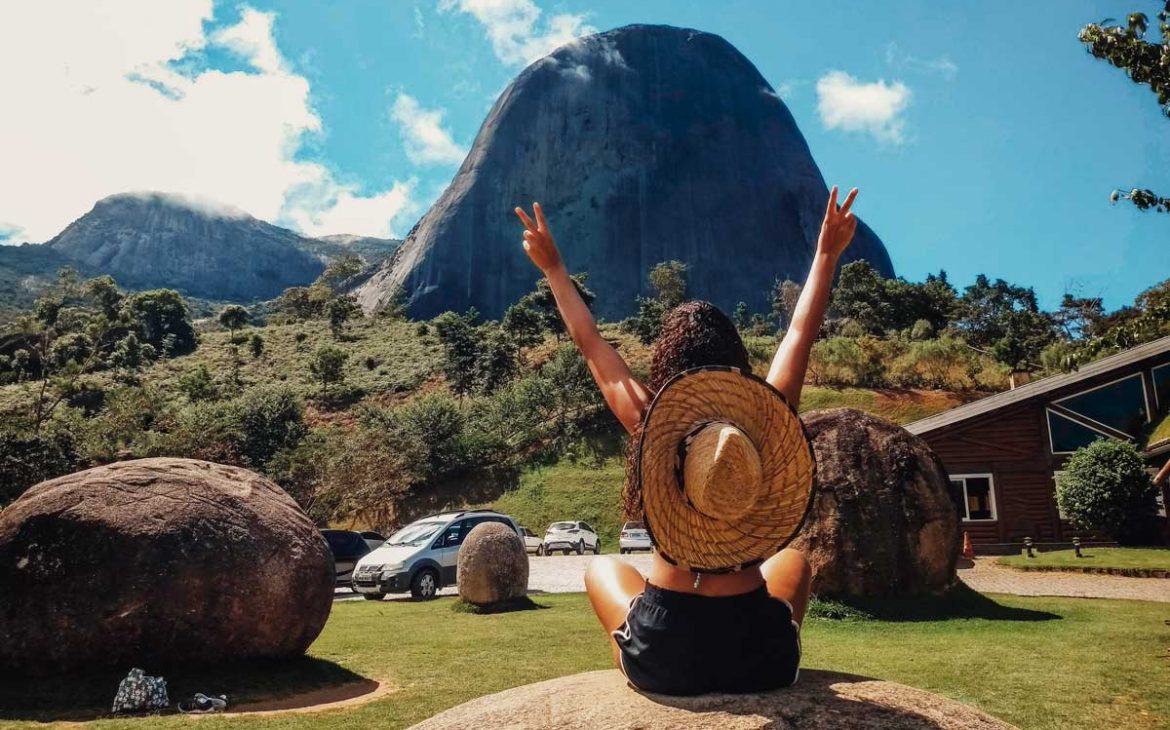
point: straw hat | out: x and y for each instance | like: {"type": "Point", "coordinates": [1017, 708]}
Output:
{"type": "Point", "coordinates": [726, 470]}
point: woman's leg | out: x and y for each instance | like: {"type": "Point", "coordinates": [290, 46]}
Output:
{"type": "Point", "coordinates": [789, 577]}
{"type": "Point", "coordinates": [612, 585]}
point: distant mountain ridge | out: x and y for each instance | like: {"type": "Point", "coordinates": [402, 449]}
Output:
{"type": "Point", "coordinates": [205, 250]}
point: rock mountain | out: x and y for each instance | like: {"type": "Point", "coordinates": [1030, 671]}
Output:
{"type": "Point", "coordinates": [643, 144]}
{"type": "Point", "coordinates": [147, 240]}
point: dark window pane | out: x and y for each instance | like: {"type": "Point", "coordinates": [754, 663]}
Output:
{"type": "Point", "coordinates": [1162, 386]}
{"type": "Point", "coordinates": [978, 498]}
{"type": "Point", "coordinates": [1120, 405]}
{"type": "Point", "coordinates": [1068, 435]}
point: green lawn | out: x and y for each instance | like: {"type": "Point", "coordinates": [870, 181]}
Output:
{"type": "Point", "coordinates": [1035, 662]}
{"type": "Point", "coordinates": [1101, 559]}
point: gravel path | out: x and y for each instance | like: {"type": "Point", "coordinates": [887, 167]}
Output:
{"type": "Point", "coordinates": [988, 577]}
{"type": "Point", "coordinates": [566, 574]}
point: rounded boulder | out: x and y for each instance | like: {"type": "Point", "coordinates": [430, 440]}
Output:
{"type": "Point", "coordinates": [882, 519]}
{"type": "Point", "coordinates": [158, 562]}
{"type": "Point", "coordinates": [493, 566]}
{"type": "Point", "coordinates": [818, 701]}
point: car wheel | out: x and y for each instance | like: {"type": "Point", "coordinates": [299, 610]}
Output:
{"type": "Point", "coordinates": [539, 550]}
{"type": "Point", "coordinates": [581, 547]}
{"type": "Point", "coordinates": [621, 551]}
{"type": "Point", "coordinates": [373, 596]}
{"type": "Point", "coordinates": [425, 585]}
{"type": "Point", "coordinates": [597, 547]}
{"type": "Point", "coordinates": [565, 551]}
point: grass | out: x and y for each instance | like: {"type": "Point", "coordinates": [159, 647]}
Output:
{"type": "Point", "coordinates": [1122, 560]}
{"type": "Point", "coordinates": [1034, 662]}
{"type": "Point", "coordinates": [1161, 432]}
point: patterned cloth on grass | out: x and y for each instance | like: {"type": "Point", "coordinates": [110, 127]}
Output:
{"type": "Point", "coordinates": [140, 693]}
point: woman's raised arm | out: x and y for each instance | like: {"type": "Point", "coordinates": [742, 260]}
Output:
{"type": "Point", "coordinates": [627, 398]}
{"type": "Point", "coordinates": [791, 361]}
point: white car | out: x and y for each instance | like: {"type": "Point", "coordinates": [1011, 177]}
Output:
{"type": "Point", "coordinates": [421, 557]}
{"type": "Point", "coordinates": [634, 537]}
{"type": "Point", "coordinates": [532, 543]}
{"type": "Point", "coordinates": [576, 536]}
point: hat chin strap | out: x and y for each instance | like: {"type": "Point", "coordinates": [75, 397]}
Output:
{"type": "Point", "coordinates": [720, 470]}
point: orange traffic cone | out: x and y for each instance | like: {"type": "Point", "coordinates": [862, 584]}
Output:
{"type": "Point", "coordinates": [968, 548]}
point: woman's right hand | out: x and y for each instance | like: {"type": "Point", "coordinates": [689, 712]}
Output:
{"type": "Point", "coordinates": [538, 240]}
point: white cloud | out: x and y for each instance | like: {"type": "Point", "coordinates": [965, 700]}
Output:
{"type": "Point", "coordinates": [845, 103]}
{"type": "Point", "coordinates": [943, 65]}
{"type": "Point", "coordinates": [426, 142]}
{"type": "Point", "coordinates": [512, 27]}
{"type": "Point", "coordinates": [97, 105]}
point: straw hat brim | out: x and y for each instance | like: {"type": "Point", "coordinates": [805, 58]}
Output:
{"type": "Point", "coordinates": [690, 539]}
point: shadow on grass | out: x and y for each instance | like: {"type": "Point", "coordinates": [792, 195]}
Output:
{"type": "Point", "coordinates": [960, 602]}
{"type": "Point", "coordinates": [89, 696]}
{"type": "Point", "coordinates": [516, 604]}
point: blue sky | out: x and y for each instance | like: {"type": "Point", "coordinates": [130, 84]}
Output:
{"type": "Point", "coordinates": [982, 136]}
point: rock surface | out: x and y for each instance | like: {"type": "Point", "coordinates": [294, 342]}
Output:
{"type": "Point", "coordinates": [493, 566]}
{"type": "Point", "coordinates": [158, 561]}
{"type": "Point", "coordinates": [819, 701]}
{"type": "Point", "coordinates": [150, 240]}
{"type": "Point", "coordinates": [882, 520]}
{"type": "Point", "coordinates": [639, 143]}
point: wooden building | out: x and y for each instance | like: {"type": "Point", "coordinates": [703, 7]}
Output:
{"type": "Point", "coordinates": [1005, 452]}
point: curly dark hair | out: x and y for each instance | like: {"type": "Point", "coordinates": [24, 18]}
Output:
{"type": "Point", "coordinates": [694, 334]}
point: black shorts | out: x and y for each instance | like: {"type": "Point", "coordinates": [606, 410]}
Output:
{"type": "Point", "coordinates": [685, 644]}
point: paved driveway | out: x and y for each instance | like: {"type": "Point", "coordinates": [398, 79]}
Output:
{"type": "Point", "coordinates": [566, 574]}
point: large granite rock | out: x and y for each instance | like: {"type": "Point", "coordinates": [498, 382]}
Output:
{"type": "Point", "coordinates": [158, 562]}
{"type": "Point", "coordinates": [150, 240]}
{"type": "Point", "coordinates": [644, 144]}
{"type": "Point", "coordinates": [493, 566]}
{"type": "Point", "coordinates": [882, 519]}
{"type": "Point", "coordinates": [819, 701]}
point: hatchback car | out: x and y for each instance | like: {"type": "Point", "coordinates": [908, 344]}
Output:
{"type": "Point", "coordinates": [347, 548]}
{"type": "Point", "coordinates": [532, 543]}
{"type": "Point", "coordinates": [577, 536]}
{"type": "Point", "coordinates": [421, 557]}
{"type": "Point", "coordinates": [634, 537]}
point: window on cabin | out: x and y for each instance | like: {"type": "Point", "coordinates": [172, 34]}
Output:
{"type": "Point", "coordinates": [1068, 436]}
{"type": "Point", "coordinates": [1120, 405]}
{"type": "Point", "coordinates": [978, 496]}
{"type": "Point", "coordinates": [1162, 385]}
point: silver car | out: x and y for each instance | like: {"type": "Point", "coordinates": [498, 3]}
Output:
{"type": "Point", "coordinates": [421, 557]}
{"type": "Point", "coordinates": [634, 536]}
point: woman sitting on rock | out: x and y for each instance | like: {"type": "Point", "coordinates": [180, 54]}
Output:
{"type": "Point", "coordinates": [720, 472]}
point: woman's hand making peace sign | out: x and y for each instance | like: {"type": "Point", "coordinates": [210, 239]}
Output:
{"type": "Point", "coordinates": [538, 240]}
{"type": "Point", "coordinates": [839, 225]}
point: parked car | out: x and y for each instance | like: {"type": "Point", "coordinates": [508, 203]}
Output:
{"type": "Point", "coordinates": [347, 547]}
{"type": "Point", "coordinates": [634, 537]}
{"type": "Point", "coordinates": [566, 536]}
{"type": "Point", "coordinates": [532, 543]}
{"type": "Point", "coordinates": [421, 557]}
{"type": "Point", "coordinates": [373, 539]}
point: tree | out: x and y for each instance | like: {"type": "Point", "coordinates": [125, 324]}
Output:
{"type": "Point", "coordinates": [523, 323]}
{"type": "Point", "coordinates": [396, 306]}
{"type": "Point", "coordinates": [328, 366]}
{"type": "Point", "coordinates": [543, 302]}
{"type": "Point", "coordinates": [233, 317]}
{"type": "Point", "coordinates": [1079, 317]}
{"type": "Point", "coordinates": [198, 385]}
{"type": "Point", "coordinates": [461, 343]}
{"type": "Point", "coordinates": [497, 358]}
{"type": "Point", "coordinates": [340, 310]}
{"type": "Point", "coordinates": [1146, 62]}
{"type": "Point", "coordinates": [669, 281]}
{"type": "Point", "coordinates": [741, 316]}
{"type": "Point", "coordinates": [1105, 487]}
{"type": "Point", "coordinates": [257, 345]}
{"type": "Point", "coordinates": [341, 268]}
{"type": "Point", "coordinates": [158, 313]}
{"type": "Point", "coordinates": [1006, 322]}
{"type": "Point", "coordinates": [785, 295]}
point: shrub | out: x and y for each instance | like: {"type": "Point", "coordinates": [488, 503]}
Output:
{"type": "Point", "coordinates": [943, 363]}
{"type": "Point", "coordinates": [27, 459]}
{"type": "Point", "coordinates": [257, 345]}
{"type": "Point", "coordinates": [268, 419]}
{"type": "Point", "coordinates": [1105, 487]}
{"type": "Point", "coordinates": [844, 361]}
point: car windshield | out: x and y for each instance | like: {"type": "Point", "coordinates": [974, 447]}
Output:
{"type": "Point", "coordinates": [415, 533]}
{"type": "Point", "coordinates": [561, 526]}
{"type": "Point", "coordinates": [634, 526]}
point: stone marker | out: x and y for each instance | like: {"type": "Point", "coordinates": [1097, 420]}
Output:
{"type": "Point", "coordinates": [882, 520]}
{"type": "Point", "coordinates": [493, 566]}
{"type": "Point", "coordinates": [158, 562]}
{"type": "Point", "coordinates": [819, 701]}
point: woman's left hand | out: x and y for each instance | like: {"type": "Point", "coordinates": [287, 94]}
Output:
{"type": "Point", "coordinates": [839, 225]}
